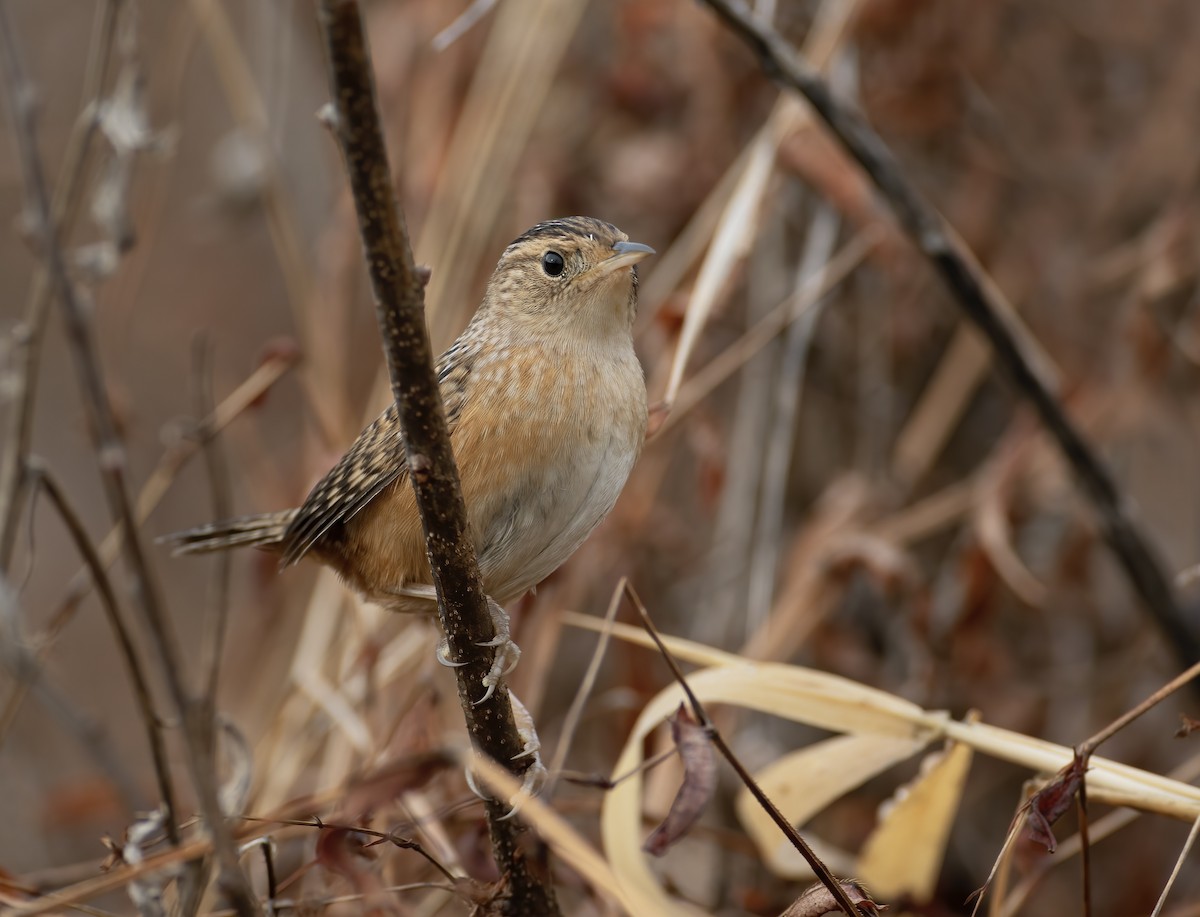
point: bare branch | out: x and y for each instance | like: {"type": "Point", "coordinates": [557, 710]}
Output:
{"type": "Point", "coordinates": [399, 290]}
{"type": "Point", "coordinates": [29, 333]}
{"type": "Point", "coordinates": [217, 615]}
{"type": "Point", "coordinates": [983, 304]}
{"type": "Point", "coordinates": [110, 454]}
{"type": "Point", "coordinates": [38, 472]}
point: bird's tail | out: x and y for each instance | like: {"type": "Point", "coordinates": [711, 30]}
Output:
{"type": "Point", "coordinates": [262, 531]}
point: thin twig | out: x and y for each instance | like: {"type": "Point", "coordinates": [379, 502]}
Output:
{"type": "Point", "coordinates": [814, 289]}
{"type": "Point", "coordinates": [77, 723]}
{"type": "Point", "coordinates": [217, 614]}
{"type": "Point", "coordinates": [982, 303]}
{"type": "Point", "coordinates": [40, 474]}
{"type": "Point", "coordinates": [1086, 848]}
{"type": "Point", "coordinates": [575, 711]}
{"type": "Point", "coordinates": [1086, 749]}
{"type": "Point", "coordinates": [768, 531]}
{"type": "Point", "coordinates": [110, 453]}
{"type": "Point", "coordinates": [400, 297]}
{"type": "Point", "coordinates": [152, 492]}
{"type": "Point", "coordinates": [818, 867]}
{"type": "Point", "coordinates": [29, 334]}
{"type": "Point", "coordinates": [248, 829]}
{"type": "Point", "coordinates": [1187, 847]}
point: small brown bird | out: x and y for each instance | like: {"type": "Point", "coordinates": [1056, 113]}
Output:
{"type": "Point", "coordinates": [546, 403]}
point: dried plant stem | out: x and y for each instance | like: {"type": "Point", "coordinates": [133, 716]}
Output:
{"type": "Point", "coordinates": [575, 711]}
{"type": "Point", "coordinates": [400, 304]}
{"type": "Point", "coordinates": [28, 335]}
{"type": "Point", "coordinates": [983, 304]}
{"type": "Point", "coordinates": [38, 473]}
{"type": "Point", "coordinates": [27, 671]}
{"type": "Point", "coordinates": [78, 587]}
{"type": "Point", "coordinates": [110, 453]}
{"type": "Point", "coordinates": [1087, 748]}
{"type": "Point", "coordinates": [789, 831]}
{"type": "Point", "coordinates": [1085, 848]}
{"type": "Point", "coordinates": [217, 615]}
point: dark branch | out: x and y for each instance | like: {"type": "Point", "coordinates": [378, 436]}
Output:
{"type": "Point", "coordinates": [982, 305]}
{"type": "Point", "coordinates": [400, 305]}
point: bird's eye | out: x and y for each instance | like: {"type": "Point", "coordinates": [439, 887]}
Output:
{"type": "Point", "coordinates": [553, 264]}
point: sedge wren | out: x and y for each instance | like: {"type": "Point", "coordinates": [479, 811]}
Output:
{"type": "Point", "coordinates": [546, 404]}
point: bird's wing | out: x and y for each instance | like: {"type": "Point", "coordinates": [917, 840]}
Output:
{"type": "Point", "coordinates": [371, 465]}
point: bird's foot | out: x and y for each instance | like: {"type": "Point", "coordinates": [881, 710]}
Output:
{"type": "Point", "coordinates": [535, 774]}
{"type": "Point", "coordinates": [443, 654]}
{"type": "Point", "coordinates": [507, 655]}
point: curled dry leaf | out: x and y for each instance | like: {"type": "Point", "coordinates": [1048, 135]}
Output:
{"type": "Point", "coordinates": [699, 781]}
{"type": "Point", "coordinates": [1048, 805]}
{"type": "Point", "coordinates": [818, 900]}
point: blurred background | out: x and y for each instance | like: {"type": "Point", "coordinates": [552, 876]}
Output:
{"type": "Point", "coordinates": [854, 490]}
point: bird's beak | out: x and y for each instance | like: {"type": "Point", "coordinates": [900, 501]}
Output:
{"type": "Point", "coordinates": [627, 253]}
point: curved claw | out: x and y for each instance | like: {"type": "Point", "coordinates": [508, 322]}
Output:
{"type": "Point", "coordinates": [469, 775]}
{"type": "Point", "coordinates": [442, 654]}
{"type": "Point", "coordinates": [531, 785]}
{"type": "Point", "coordinates": [531, 750]}
{"type": "Point", "coordinates": [487, 695]}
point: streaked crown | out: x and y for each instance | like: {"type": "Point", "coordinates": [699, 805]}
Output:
{"type": "Point", "coordinates": [573, 269]}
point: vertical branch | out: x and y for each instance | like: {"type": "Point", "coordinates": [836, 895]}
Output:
{"type": "Point", "coordinates": [399, 290]}
{"type": "Point", "coordinates": [28, 335]}
{"type": "Point", "coordinates": [110, 454]}
{"type": "Point", "coordinates": [217, 616]}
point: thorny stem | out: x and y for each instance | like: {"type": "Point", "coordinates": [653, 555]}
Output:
{"type": "Point", "coordinates": [399, 290]}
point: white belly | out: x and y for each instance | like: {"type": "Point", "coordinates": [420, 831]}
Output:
{"type": "Point", "coordinates": [553, 509]}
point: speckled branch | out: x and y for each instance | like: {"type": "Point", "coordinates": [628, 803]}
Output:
{"type": "Point", "coordinates": [399, 290]}
{"type": "Point", "coordinates": [980, 302]}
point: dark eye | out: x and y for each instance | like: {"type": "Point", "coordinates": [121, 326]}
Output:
{"type": "Point", "coordinates": [553, 264]}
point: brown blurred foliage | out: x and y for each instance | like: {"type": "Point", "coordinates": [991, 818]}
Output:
{"type": "Point", "coordinates": [923, 536]}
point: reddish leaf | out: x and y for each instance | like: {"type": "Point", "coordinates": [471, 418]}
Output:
{"type": "Point", "coordinates": [1048, 805]}
{"type": "Point", "coordinates": [699, 781]}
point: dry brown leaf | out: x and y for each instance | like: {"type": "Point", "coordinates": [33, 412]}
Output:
{"type": "Point", "coordinates": [694, 746]}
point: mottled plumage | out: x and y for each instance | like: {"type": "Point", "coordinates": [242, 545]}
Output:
{"type": "Point", "coordinates": [547, 410]}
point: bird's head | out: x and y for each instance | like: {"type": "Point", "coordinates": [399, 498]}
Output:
{"type": "Point", "coordinates": [577, 273]}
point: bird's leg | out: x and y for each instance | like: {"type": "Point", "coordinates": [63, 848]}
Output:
{"type": "Point", "coordinates": [535, 774]}
{"type": "Point", "coordinates": [508, 654]}
{"type": "Point", "coordinates": [428, 594]}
